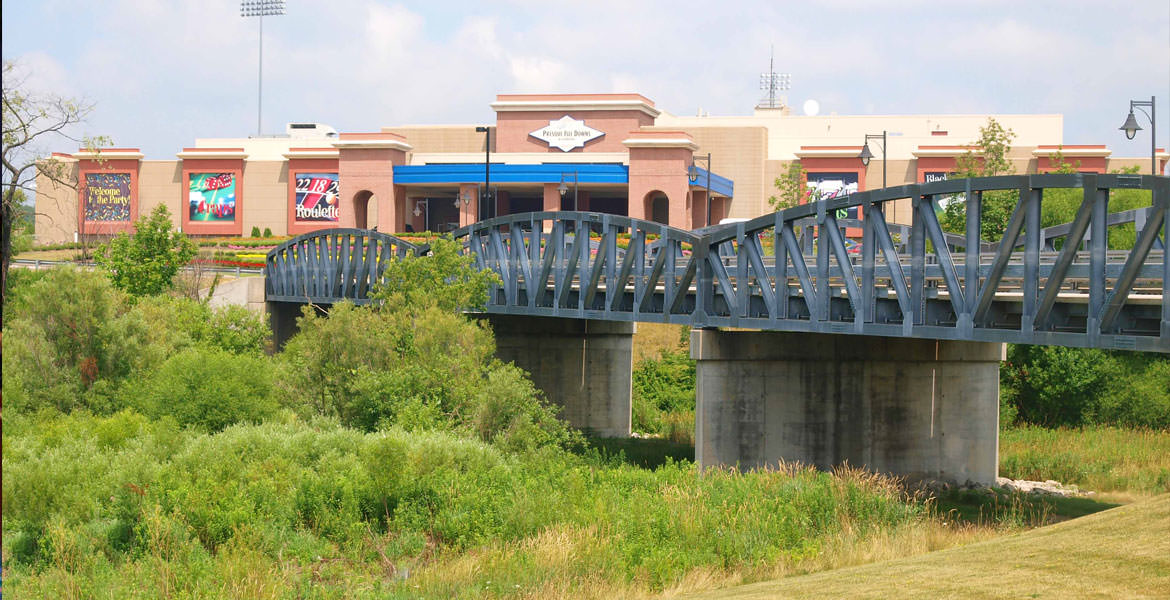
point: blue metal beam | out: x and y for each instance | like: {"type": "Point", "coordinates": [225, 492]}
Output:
{"type": "Point", "coordinates": [725, 277]}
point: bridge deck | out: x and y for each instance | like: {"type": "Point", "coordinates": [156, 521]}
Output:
{"type": "Point", "coordinates": [793, 270]}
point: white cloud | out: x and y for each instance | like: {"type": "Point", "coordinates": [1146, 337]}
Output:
{"type": "Point", "coordinates": [535, 74]}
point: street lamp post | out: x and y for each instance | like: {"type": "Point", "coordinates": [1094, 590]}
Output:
{"type": "Point", "coordinates": [868, 251]}
{"type": "Point", "coordinates": [260, 8]}
{"type": "Point", "coordinates": [866, 155]}
{"type": "Point", "coordinates": [693, 176]}
{"type": "Point", "coordinates": [486, 206]}
{"type": "Point", "coordinates": [562, 188]}
{"type": "Point", "coordinates": [1131, 127]}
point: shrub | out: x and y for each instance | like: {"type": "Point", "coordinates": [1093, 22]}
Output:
{"type": "Point", "coordinates": [177, 322]}
{"type": "Point", "coordinates": [444, 278]}
{"type": "Point", "coordinates": [206, 388]}
{"type": "Point", "coordinates": [70, 341]}
{"type": "Point", "coordinates": [1142, 399]}
{"type": "Point", "coordinates": [411, 359]}
{"type": "Point", "coordinates": [425, 369]}
{"type": "Point", "coordinates": [663, 386]}
{"type": "Point", "coordinates": [145, 264]}
{"type": "Point", "coordinates": [308, 496]}
{"type": "Point", "coordinates": [1055, 386]}
{"type": "Point", "coordinates": [267, 232]}
{"type": "Point", "coordinates": [255, 232]}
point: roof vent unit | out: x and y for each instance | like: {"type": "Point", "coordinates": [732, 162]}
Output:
{"type": "Point", "coordinates": [310, 130]}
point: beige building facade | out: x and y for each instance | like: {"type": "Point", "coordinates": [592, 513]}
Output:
{"type": "Point", "coordinates": [612, 153]}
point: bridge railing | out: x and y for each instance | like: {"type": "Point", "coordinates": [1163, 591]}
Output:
{"type": "Point", "coordinates": [329, 265]}
{"type": "Point", "coordinates": [600, 265]}
{"type": "Point", "coordinates": [1015, 293]}
{"type": "Point", "coordinates": [796, 270]}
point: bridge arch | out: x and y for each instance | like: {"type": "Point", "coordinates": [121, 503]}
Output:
{"type": "Point", "coordinates": [326, 266]}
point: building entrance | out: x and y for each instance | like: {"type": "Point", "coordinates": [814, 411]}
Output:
{"type": "Point", "coordinates": [442, 215]}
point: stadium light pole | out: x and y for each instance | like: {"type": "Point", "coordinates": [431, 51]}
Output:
{"type": "Point", "coordinates": [1131, 128]}
{"type": "Point", "coordinates": [260, 8]}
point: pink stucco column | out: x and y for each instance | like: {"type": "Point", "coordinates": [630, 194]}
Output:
{"type": "Point", "coordinates": [468, 203]}
{"type": "Point", "coordinates": [658, 164]}
{"type": "Point", "coordinates": [366, 166]}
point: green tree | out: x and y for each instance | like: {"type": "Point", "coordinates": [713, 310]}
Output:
{"type": "Point", "coordinates": [994, 145]}
{"type": "Point", "coordinates": [70, 340]}
{"type": "Point", "coordinates": [28, 119]}
{"type": "Point", "coordinates": [146, 263]}
{"type": "Point", "coordinates": [411, 359]}
{"type": "Point", "coordinates": [443, 278]}
{"type": "Point", "coordinates": [792, 187]}
{"type": "Point", "coordinates": [207, 388]}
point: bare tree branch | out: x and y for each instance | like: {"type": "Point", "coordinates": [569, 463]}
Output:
{"type": "Point", "coordinates": [28, 119]}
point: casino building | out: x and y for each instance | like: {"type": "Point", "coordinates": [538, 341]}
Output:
{"type": "Point", "coordinates": [608, 153]}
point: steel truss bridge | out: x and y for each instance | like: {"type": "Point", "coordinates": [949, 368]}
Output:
{"type": "Point", "coordinates": [795, 270]}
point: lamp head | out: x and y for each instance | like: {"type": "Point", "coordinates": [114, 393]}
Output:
{"type": "Point", "coordinates": [692, 173]}
{"type": "Point", "coordinates": [562, 188]}
{"type": "Point", "coordinates": [865, 155]}
{"type": "Point", "coordinates": [1131, 126]}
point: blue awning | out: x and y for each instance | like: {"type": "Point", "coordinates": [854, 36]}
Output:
{"type": "Point", "coordinates": [454, 173]}
{"type": "Point", "coordinates": [720, 185]}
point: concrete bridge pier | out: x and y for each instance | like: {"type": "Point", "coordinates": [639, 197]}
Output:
{"type": "Point", "coordinates": [583, 366]}
{"type": "Point", "coordinates": [282, 318]}
{"type": "Point", "coordinates": [923, 409]}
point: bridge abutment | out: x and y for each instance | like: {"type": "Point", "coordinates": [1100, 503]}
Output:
{"type": "Point", "coordinates": [923, 409]}
{"type": "Point", "coordinates": [583, 366]}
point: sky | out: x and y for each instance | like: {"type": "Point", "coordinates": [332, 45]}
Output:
{"type": "Point", "coordinates": [160, 74]}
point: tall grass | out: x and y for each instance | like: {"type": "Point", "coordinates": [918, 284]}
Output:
{"type": "Point", "coordinates": [1102, 459]}
{"type": "Point", "coordinates": [125, 507]}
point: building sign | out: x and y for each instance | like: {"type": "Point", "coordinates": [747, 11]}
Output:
{"type": "Point", "coordinates": [941, 202]}
{"type": "Point", "coordinates": [566, 133]}
{"type": "Point", "coordinates": [107, 197]}
{"type": "Point", "coordinates": [212, 197]}
{"type": "Point", "coordinates": [826, 186]}
{"type": "Point", "coordinates": [316, 197]}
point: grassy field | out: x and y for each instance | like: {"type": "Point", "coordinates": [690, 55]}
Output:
{"type": "Point", "coordinates": [125, 507]}
{"type": "Point", "coordinates": [1124, 463]}
{"type": "Point", "coordinates": [1120, 553]}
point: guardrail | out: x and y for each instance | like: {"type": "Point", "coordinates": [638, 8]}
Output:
{"type": "Point", "coordinates": [37, 264]}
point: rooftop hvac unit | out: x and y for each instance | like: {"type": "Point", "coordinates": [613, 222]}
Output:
{"type": "Point", "coordinates": [310, 130]}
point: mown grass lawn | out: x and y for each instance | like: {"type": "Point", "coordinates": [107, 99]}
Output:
{"type": "Point", "coordinates": [1119, 553]}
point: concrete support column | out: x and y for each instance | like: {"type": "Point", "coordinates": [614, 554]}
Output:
{"type": "Point", "coordinates": [282, 319]}
{"type": "Point", "coordinates": [583, 366]}
{"type": "Point", "coordinates": [923, 409]}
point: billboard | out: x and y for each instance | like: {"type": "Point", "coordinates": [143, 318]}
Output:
{"type": "Point", "coordinates": [316, 198]}
{"type": "Point", "coordinates": [212, 197]}
{"type": "Point", "coordinates": [941, 202]}
{"type": "Point", "coordinates": [107, 197]}
{"type": "Point", "coordinates": [824, 186]}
